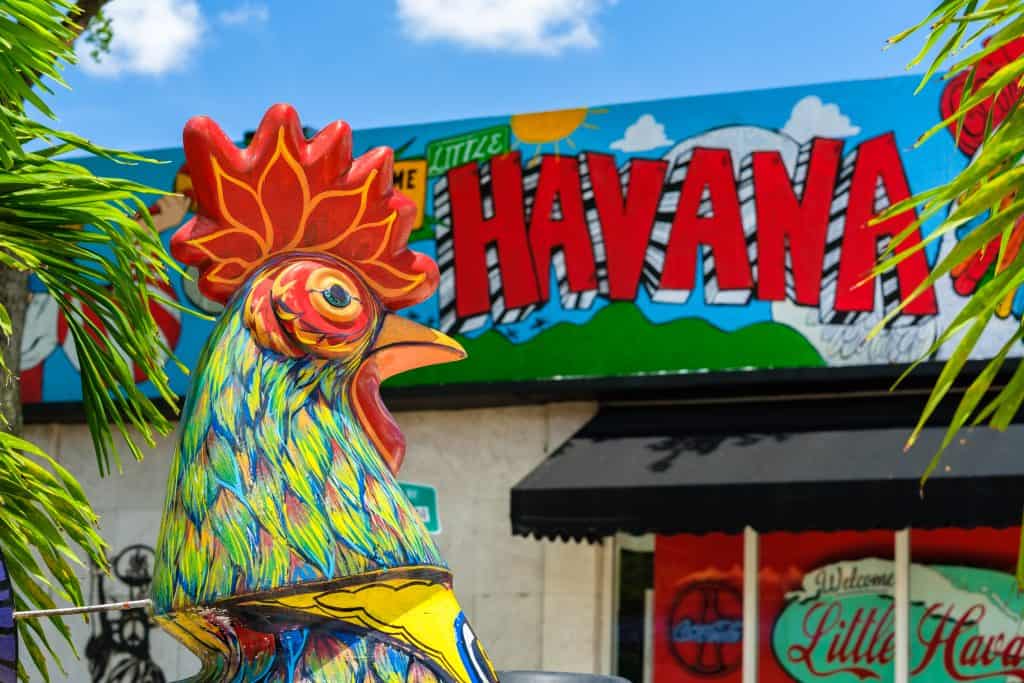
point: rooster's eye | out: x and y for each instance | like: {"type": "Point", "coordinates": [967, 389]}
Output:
{"type": "Point", "coordinates": [337, 296]}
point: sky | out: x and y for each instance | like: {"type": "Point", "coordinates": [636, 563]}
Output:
{"type": "Point", "coordinates": [388, 62]}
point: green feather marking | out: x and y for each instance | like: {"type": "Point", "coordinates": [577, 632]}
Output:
{"type": "Point", "coordinates": [275, 481]}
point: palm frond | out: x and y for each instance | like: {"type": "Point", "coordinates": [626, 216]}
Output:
{"type": "Point", "coordinates": [99, 275]}
{"type": "Point", "coordinates": [985, 194]}
{"type": "Point", "coordinates": [45, 512]}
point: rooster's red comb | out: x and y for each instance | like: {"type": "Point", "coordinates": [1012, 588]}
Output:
{"type": "Point", "coordinates": [283, 194]}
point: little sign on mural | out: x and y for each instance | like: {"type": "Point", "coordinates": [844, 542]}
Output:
{"type": "Point", "coordinates": [424, 499]}
{"type": "Point", "coordinates": [477, 146]}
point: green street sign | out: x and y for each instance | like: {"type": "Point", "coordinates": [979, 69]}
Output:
{"type": "Point", "coordinates": [424, 499]}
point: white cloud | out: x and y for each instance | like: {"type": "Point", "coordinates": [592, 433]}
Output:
{"type": "Point", "coordinates": [545, 27]}
{"type": "Point", "coordinates": [151, 37]}
{"type": "Point", "coordinates": [246, 13]}
{"type": "Point", "coordinates": [646, 134]}
{"type": "Point", "coordinates": [812, 118]}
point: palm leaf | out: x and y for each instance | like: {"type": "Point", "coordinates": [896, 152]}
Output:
{"type": "Point", "coordinates": [988, 192]}
{"type": "Point", "coordinates": [99, 277]}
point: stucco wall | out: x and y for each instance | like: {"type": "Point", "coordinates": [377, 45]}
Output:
{"type": "Point", "coordinates": [534, 604]}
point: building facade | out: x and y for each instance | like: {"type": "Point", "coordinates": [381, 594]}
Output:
{"type": "Point", "coordinates": [671, 453]}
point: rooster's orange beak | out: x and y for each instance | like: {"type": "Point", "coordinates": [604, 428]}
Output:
{"type": "Point", "coordinates": [404, 345]}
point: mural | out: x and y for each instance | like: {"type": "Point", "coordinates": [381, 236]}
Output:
{"type": "Point", "coordinates": [725, 232]}
{"type": "Point", "coordinates": [118, 650]}
{"type": "Point", "coordinates": [288, 551]}
{"type": "Point", "coordinates": [46, 332]}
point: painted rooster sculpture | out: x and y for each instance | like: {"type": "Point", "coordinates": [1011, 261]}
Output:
{"type": "Point", "coordinates": [287, 550]}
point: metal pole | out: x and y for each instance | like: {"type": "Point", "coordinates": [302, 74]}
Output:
{"type": "Point", "coordinates": [901, 600]}
{"type": "Point", "coordinates": [85, 609]}
{"type": "Point", "coordinates": [751, 566]}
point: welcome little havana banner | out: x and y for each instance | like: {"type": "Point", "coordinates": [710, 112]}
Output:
{"type": "Point", "coordinates": [713, 233]}
{"type": "Point", "coordinates": [965, 624]}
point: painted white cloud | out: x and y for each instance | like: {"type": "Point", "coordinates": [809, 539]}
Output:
{"type": "Point", "coordinates": [151, 37]}
{"type": "Point", "coordinates": [813, 118]}
{"type": "Point", "coordinates": [643, 135]}
{"type": "Point", "coordinates": [545, 27]}
{"type": "Point", "coordinates": [246, 13]}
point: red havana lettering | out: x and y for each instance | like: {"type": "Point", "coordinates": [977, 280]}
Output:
{"type": "Point", "coordinates": [878, 162]}
{"type": "Point", "coordinates": [722, 232]}
{"type": "Point", "coordinates": [625, 221]}
{"type": "Point", "coordinates": [504, 229]}
{"type": "Point", "coordinates": [559, 185]}
{"type": "Point", "coordinates": [784, 220]}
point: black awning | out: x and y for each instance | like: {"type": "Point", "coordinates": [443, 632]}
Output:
{"type": "Point", "coordinates": [643, 471]}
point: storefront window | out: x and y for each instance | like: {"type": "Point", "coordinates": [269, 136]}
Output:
{"type": "Point", "coordinates": [633, 617]}
{"type": "Point", "coordinates": [827, 606]}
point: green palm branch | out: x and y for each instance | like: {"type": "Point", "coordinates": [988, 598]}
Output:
{"type": "Point", "coordinates": [959, 35]}
{"type": "Point", "coordinates": [98, 276]}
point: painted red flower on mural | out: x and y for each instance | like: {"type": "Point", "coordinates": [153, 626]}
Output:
{"type": "Point", "coordinates": [997, 106]}
{"type": "Point", "coordinates": [990, 112]}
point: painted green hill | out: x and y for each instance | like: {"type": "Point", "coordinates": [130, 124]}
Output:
{"type": "Point", "coordinates": [619, 341]}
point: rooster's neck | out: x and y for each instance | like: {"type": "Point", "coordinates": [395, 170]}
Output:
{"type": "Point", "coordinates": [275, 482]}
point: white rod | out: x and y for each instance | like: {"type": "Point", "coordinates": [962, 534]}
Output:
{"type": "Point", "coordinates": [750, 596]}
{"type": "Point", "coordinates": [648, 675]}
{"type": "Point", "coordinates": [64, 611]}
{"type": "Point", "coordinates": [901, 607]}
{"type": "Point", "coordinates": [609, 607]}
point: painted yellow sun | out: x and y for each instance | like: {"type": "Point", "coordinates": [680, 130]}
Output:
{"type": "Point", "coordinates": [550, 127]}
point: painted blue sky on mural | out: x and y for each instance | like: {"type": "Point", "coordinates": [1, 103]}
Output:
{"type": "Point", "coordinates": [852, 111]}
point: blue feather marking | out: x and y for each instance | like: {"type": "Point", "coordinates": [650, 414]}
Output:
{"type": "Point", "coordinates": [292, 643]}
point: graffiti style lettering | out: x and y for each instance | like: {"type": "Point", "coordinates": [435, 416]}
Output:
{"type": "Point", "coordinates": [707, 215]}
{"type": "Point", "coordinates": [405, 177]}
{"type": "Point", "coordinates": [799, 223]}
{"type": "Point", "coordinates": [478, 146]}
{"type": "Point", "coordinates": [485, 256]}
{"type": "Point", "coordinates": [624, 213]}
{"type": "Point", "coordinates": [878, 180]}
{"type": "Point", "coordinates": [558, 232]}
{"type": "Point", "coordinates": [804, 235]}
